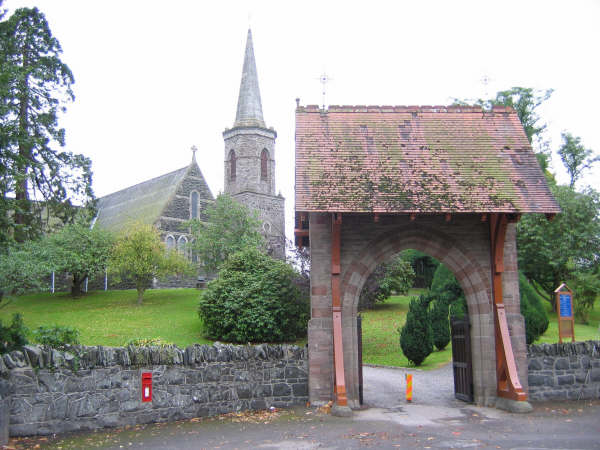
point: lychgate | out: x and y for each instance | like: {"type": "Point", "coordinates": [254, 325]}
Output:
{"type": "Point", "coordinates": [452, 182]}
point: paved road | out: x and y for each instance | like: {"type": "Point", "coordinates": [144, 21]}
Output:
{"type": "Point", "coordinates": [433, 420]}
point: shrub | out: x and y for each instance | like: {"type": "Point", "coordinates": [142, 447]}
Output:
{"type": "Point", "coordinates": [13, 336]}
{"type": "Point", "coordinates": [445, 287]}
{"type": "Point", "coordinates": [416, 336]}
{"type": "Point", "coordinates": [254, 299]}
{"type": "Point", "coordinates": [149, 342]}
{"type": "Point", "coordinates": [56, 336]}
{"type": "Point", "coordinates": [532, 309]}
{"type": "Point", "coordinates": [440, 325]}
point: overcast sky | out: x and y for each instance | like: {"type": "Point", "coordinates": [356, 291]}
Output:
{"type": "Point", "coordinates": [154, 78]}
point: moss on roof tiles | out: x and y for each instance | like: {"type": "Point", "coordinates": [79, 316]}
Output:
{"type": "Point", "coordinates": [438, 161]}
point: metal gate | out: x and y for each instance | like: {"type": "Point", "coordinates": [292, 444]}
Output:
{"type": "Point", "coordinates": [360, 367]}
{"type": "Point", "coordinates": [461, 359]}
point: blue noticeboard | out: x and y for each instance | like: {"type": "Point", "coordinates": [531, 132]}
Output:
{"type": "Point", "coordinates": [565, 305]}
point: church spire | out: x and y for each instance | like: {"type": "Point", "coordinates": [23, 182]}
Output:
{"type": "Point", "coordinates": [249, 108]}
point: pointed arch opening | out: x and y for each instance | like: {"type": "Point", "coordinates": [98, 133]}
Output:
{"type": "Point", "coordinates": [194, 199]}
{"type": "Point", "coordinates": [232, 165]}
{"type": "Point", "coordinates": [264, 164]}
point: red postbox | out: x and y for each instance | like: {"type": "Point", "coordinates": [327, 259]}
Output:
{"type": "Point", "coordinates": [146, 386]}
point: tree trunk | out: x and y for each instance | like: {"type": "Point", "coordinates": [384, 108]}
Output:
{"type": "Point", "coordinates": [76, 286]}
{"type": "Point", "coordinates": [23, 212]}
{"type": "Point", "coordinates": [140, 292]}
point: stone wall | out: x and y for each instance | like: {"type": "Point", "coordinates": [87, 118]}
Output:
{"type": "Point", "coordinates": [569, 371]}
{"type": "Point", "coordinates": [86, 388]}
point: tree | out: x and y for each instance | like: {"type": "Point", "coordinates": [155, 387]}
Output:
{"type": "Point", "coordinates": [551, 252]}
{"type": "Point", "coordinates": [254, 299]}
{"type": "Point", "coordinates": [230, 228]}
{"type": "Point", "coordinates": [79, 250]}
{"type": "Point", "coordinates": [140, 254]}
{"type": "Point", "coordinates": [394, 276]}
{"type": "Point", "coordinates": [35, 87]}
{"type": "Point", "coordinates": [525, 101]}
{"type": "Point", "coordinates": [416, 336]}
{"type": "Point", "coordinates": [575, 157]}
{"type": "Point", "coordinates": [24, 268]}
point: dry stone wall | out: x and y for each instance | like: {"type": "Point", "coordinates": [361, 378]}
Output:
{"type": "Point", "coordinates": [569, 371]}
{"type": "Point", "coordinates": [84, 388]}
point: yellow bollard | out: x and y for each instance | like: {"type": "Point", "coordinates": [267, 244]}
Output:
{"type": "Point", "coordinates": [408, 387]}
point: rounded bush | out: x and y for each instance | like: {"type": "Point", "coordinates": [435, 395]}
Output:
{"type": "Point", "coordinates": [254, 299]}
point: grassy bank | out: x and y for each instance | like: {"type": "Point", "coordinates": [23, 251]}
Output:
{"type": "Point", "coordinates": [112, 318]}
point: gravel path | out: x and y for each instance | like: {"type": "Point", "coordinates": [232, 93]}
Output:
{"type": "Point", "coordinates": [386, 387]}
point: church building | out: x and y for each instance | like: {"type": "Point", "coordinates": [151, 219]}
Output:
{"type": "Point", "coordinates": [170, 200]}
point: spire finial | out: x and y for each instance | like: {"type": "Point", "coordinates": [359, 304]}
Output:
{"type": "Point", "coordinates": [194, 150]}
{"type": "Point", "coordinates": [249, 108]}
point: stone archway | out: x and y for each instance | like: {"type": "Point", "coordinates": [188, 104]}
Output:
{"type": "Point", "coordinates": [462, 244]}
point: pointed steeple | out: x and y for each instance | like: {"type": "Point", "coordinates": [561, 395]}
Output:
{"type": "Point", "coordinates": [249, 108]}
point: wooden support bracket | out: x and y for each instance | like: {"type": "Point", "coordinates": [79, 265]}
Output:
{"type": "Point", "coordinates": [336, 307]}
{"type": "Point", "coordinates": [508, 382]}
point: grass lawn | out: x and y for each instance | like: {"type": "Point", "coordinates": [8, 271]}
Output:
{"type": "Point", "coordinates": [589, 332]}
{"type": "Point", "coordinates": [381, 340]}
{"type": "Point", "coordinates": [112, 318]}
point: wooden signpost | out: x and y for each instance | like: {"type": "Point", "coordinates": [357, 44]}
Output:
{"type": "Point", "coordinates": [564, 308]}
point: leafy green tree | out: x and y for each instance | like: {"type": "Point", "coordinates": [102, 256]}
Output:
{"type": "Point", "coordinates": [35, 87]}
{"type": "Point", "coordinates": [230, 227]}
{"type": "Point", "coordinates": [79, 250]}
{"type": "Point", "coordinates": [526, 102]}
{"type": "Point", "coordinates": [575, 157]}
{"type": "Point", "coordinates": [394, 276]}
{"type": "Point", "coordinates": [416, 336]}
{"type": "Point", "coordinates": [254, 299]}
{"type": "Point", "coordinates": [551, 252]}
{"type": "Point", "coordinates": [586, 289]}
{"type": "Point", "coordinates": [140, 254]}
{"type": "Point", "coordinates": [25, 268]}
{"type": "Point", "coordinates": [423, 265]}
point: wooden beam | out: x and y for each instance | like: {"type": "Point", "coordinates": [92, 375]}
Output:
{"type": "Point", "coordinates": [508, 384]}
{"type": "Point", "coordinates": [336, 307]}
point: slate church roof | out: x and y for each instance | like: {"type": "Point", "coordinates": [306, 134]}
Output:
{"type": "Point", "coordinates": [144, 202]}
{"type": "Point", "coordinates": [416, 159]}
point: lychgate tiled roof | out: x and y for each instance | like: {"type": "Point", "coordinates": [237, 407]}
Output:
{"type": "Point", "coordinates": [416, 159]}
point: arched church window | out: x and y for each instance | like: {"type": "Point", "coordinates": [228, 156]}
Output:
{"type": "Point", "coordinates": [194, 205]}
{"type": "Point", "coordinates": [264, 161]}
{"type": "Point", "coordinates": [182, 244]}
{"type": "Point", "coordinates": [232, 165]}
{"type": "Point", "coordinates": [170, 242]}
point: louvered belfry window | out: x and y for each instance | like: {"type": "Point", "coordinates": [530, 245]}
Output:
{"type": "Point", "coordinates": [264, 161]}
{"type": "Point", "coordinates": [232, 165]}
